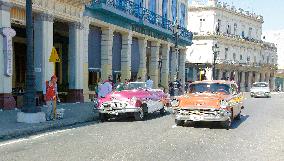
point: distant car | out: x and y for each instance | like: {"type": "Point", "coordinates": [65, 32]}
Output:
{"type": "Point", "coordinates": [260, 89]}
{"type": "Point", "coordinates": [209, 101]}
{"type": "Point", "coordinates": [134, 99]}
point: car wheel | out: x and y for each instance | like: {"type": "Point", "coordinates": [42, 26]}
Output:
{"type": "Point", "coordinates": [139, 116]}
{"type": "Point", "coordinates": [226, 124]}
{"type": "Point", "coordinates": [162, 111]}
{"type": "Point", "coordinates": [179, 122]}
{"type": "Point", "coordinates": [103, 117]}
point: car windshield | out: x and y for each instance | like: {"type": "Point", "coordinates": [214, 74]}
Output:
{"type": "Point", "coordinates": [136, 85]}
{"type": "Point", "coordinates": [260, 85]}
{"type": "Point", "coordinates": [209, 87]}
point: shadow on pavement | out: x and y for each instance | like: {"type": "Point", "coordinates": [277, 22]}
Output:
{"type": "Point", "coordinates": [216, 125]}
{"type": "Point", "coordinates": [130, 118]}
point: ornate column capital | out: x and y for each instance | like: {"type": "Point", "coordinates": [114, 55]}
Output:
{"type": "Point", "coordinates": [44, 17]}
{"type": "Point", "coordinates": [77, 25]}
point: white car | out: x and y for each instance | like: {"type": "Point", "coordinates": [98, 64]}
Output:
{"type": "Point", "coordinates": [260, 89]}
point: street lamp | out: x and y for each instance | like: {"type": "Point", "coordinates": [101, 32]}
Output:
{"type": "Point", "coordinates": [215, 50]}
{"type": "Point", "coordinates": [30, 92]}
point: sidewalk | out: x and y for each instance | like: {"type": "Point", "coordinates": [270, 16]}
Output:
{"type": "Point", "coordinates": [74, 113]}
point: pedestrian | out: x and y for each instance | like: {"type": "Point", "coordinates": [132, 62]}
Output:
{"type": "Point", "coordinates": [149, 83]}
{"type": "Point", "coordinates": [104, 89]}
{"type": "Point", "coordinates": [171, 89]}
{"type": "Point", "coordinates": [50, 95]}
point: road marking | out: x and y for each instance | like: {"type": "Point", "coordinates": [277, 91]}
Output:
{"type": "Point", "coordinates": [174, 126]}
{"type": "Point", "coordinates": [34, 137]}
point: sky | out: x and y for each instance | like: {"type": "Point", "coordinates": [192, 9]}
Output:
{"type": "Point", "coordinates": [271, 10]}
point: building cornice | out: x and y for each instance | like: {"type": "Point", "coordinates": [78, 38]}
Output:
{"type": "Point", "coordinates": [236, 39]}
{"type": "Point", "coordinates": [232, 10]}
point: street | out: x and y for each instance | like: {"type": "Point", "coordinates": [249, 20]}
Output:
{"type": "Point", "coordinates": [258, 136]}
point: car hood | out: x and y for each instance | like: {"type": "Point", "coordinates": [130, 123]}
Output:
{"type": "Point", "coordinates": [202, 100]}
{"type": "Point", "coordinates": [260, 89]}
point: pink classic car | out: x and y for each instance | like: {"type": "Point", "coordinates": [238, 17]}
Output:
{"type": "Point", "coordinates": [133, 99]}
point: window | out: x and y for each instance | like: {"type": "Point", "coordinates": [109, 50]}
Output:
{"type": "Point", "coordinates": [139, 2]}
{"type": "Point", "coordinates": [152, 6]}
{"type": "Point", "coordinates": [267, 59]}
{"type": "Point", "coordinates": [235, 29]}
{"type": "Point", "coordinates": [174, 10]}
{"type": "Point", "coordinates": [234, 56]}
{"type": "Point", "coordinates": [241, 57]}
{"type": "Point", "coordinates": [165, 8]}
{"type": "Point", "coordinates": [243, 34]}
{"type": "Point", "coordinates": [254, 59]}
{"type": "Point", "coordinates": [250, 32]}
{"type": "Point", "coordinates": [218, 26]}
{"type": "Point", "coordinates": [182, 15]}
{"type": "Point", "coordinates": [248, 58]}
{"type": "Point", "coordinates": [228, 29]}
{"type": "Point", "coordinates": [201, 25]}
{"type": "Point", "coordinates": [226, 53]}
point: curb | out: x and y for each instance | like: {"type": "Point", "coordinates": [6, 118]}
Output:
{"type": "Point", "coordinates": [33, 129]}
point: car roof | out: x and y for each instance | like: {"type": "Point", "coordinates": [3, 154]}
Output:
{"type": "Point", "coordinates": [215, 81]}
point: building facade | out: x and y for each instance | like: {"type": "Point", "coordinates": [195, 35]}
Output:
{"type": "Point", "coordinates": [126, 39]}
{"type": "Point", "coordinates": [241, 54]}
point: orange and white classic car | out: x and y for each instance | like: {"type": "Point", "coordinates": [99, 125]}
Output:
{"type": "Point", "coordinates": [213, 101]}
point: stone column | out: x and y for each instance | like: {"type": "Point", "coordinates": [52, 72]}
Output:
{"type": "Point", "coordinates": [165, 66]}
{"type": "Point", "coordinates": [236, 77]}
{"type": "Point", "coordinates": [249, 80]}
{"type": "Point", "coordinates": [242, 84]}
{"type": "Point", "coordinates": [106, 53]}
{"type": "Point", "coordinates": [43, 44]}
{"type": "Point", "coordinates": [220, 74]}
{"type": "Point", "coordinates": [257, 77]}
{"type": "Point", "coordinates": [142, 42]}
{"type": "Point", "coordinates": [75, 58]}
{"type": "Point", "coordinates": [6, 57]}
{"type": "Point", "coordinates": [262, 77]}
{"type": "Point", "coordinates": [267, 76]}
{"type": "Point", "coordinates": [126, 56]}
{"type": "Point", "coordinates": [272, 83]}
{"type": "Point", "coordinates": [194, 74]}
{"type": "Point", "coordinates": [174, 64]}
{"type": "Point", "coordinates": [85, 60]}
{"type": "Point", "coordinates": [228, 75]}
{"type": "Point", "coordinates": [154, 64]}
{"type": "Point", "coordinates": [181, 67]}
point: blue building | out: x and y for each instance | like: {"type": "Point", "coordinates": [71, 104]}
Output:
{"type": "Point", "coordinates": [125, 39]}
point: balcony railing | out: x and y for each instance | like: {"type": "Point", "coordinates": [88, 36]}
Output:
{"type": "Point", "coordinates": [143, 14]}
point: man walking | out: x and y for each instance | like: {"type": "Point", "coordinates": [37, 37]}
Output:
{"type": "Point", "coordinates": [50, 94]}
{"type": "Point", "coordinates": [149, 83]}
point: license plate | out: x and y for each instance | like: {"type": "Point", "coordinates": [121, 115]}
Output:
{"type": "Point", "coordinates": [197, 117]}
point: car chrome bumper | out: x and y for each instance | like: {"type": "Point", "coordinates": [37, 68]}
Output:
{"type": "Point", "coordinates": [221, 115]}
{"type": "Point", "coordinates": [260, 94]}
{"type": "Point", "coordinates": [116, 107]}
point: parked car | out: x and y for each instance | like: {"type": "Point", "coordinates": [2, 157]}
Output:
{"type": "Point", "coordinates": [210, 101]}
{"type": "Point", "coordinates": [260, 89]}
{"type": "Point", "coordinates": [134, 99]}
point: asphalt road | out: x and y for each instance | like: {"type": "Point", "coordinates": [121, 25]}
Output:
{"type": "Point", "coordinates": [259, 136]}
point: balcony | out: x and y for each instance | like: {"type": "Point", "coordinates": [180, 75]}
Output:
{"type": "Point", "coordinates": [130, 15]}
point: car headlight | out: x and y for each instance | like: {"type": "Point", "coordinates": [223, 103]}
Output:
{"type": "Point", "coordinates": [175, 102]}
{"type": "Point", "coordinates": [224, 104]}
{"type": "Point", "coordinates": [133, 100]}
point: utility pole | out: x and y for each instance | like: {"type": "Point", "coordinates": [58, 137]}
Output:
{"type": "Point", "coordinates": [30, 92]}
